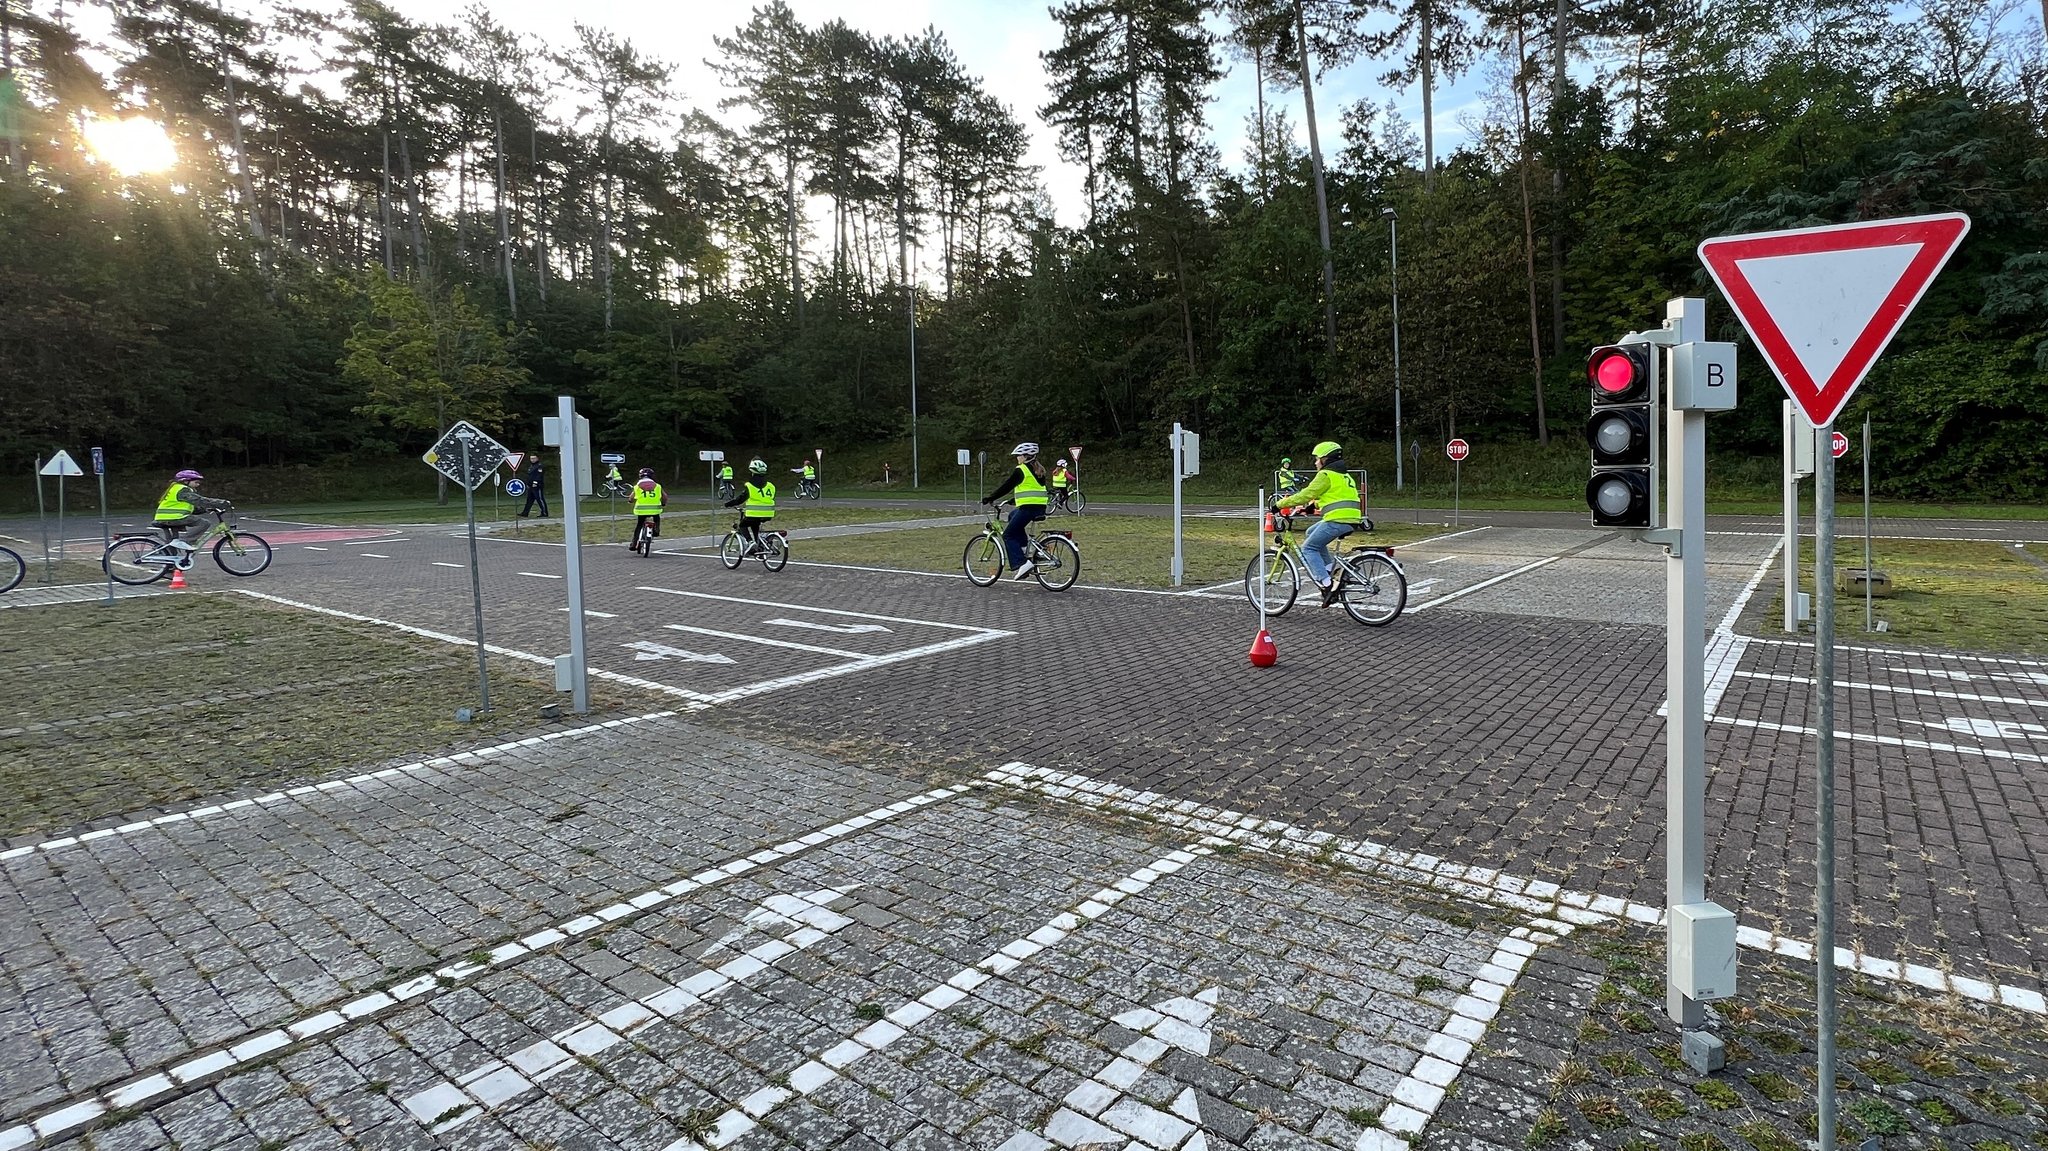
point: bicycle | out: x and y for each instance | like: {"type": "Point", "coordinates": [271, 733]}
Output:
{"type": "Point", "coordinates": [644, 531]}
{"type": "Point", "coordinates": [1057, 559]}
{"type": "Point", "coordinates": [144, 559]}
{"type": "Point", "coordinates": [617, 489]}
{"type": "Point", "coordinates": [12, 570]}
{"type": "Point", "coordinates": [725, 490]}
{"type": "Point", "coordinates": [1370, 583]}
{"type": "Point", "coordinates": [808, 490]}
{"type": "Point", "coordinates": [773, 549]}
{"type": "Point", "coordinates": [1068, 500]}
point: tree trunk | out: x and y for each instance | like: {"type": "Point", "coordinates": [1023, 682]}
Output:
{"type": "Point", "coordinates": [504, 225]}
{"type": "Point", "coordinates": [540, 213]}
{"type": "Point", "coordinates": [412, 200]}
{"type": "Point", "coordinates": [604, 259]}
{"type": "Point", "coordinates": [1259, 84]}
{"type": "Point", "coordinates": [1557, 81]}
{"type": "Point", "coordinates": [1315, 152]}
{"type": "Point", "coordinates": [7, 88]}
{"type": "Point", "coordinates": [796, 281]}
{"type": "Point", "coordinates": [227, 72]}
{"type": "Point", "coordinates": [384, 209]}
{"type": "Point", "coordinates": [1529, 232]}
{"type": "Point", "coordinates": [1426, 71]}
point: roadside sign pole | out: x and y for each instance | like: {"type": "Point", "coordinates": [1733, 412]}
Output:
{"type": "Point", "coordinates": [1824, 733]}
{"type": "Point", "coordinates": [42, 523]}
{"type": "Point", "coordinates": [99, 467]}
{"type": "Point", "coordinates": [1177, 558]}
{"type": "Point", "coordinates": [572, 537]}
{"type": "Point", "coordinates": [1869, 624]}
{"type": "Point", "coordinates": [1685, 659]}
{"type": "Point", "coordinates": [476, 584]}
{"type": "Point", "coordinates": [1793, 427]}
{"type": "Point", "coordinates": [60, 517]}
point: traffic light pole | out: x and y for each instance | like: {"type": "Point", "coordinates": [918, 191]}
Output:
{"type": "Point", "coordinates": [1685, 668]}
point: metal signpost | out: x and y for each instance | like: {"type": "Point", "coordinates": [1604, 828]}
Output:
{"type": "Point", "coordinates": [965, 457]}
{"type": "Point", "coordinates": [1457, 450]}
{"type": "Point", "coordinates": [1798, 466]}
{"type": "Point", "coordinates": [99, 468]}
{"type": "Point", "coordinates": [713, 459]}
{"type": "Point", "coordinates": [1187, 461]}
{"type": "Point", "coordinates": [468, 456]}
{"type": "Point", "coordinates": [1869, 574]}
{"type": "Point", "coordinates": [1822, 304]}
{"type": "Point", "coordinates": [1076, 450]}
{"type": "Point", "coordinates": [571, 433]}
{"type": "Point", "coordinates": [611, 494]}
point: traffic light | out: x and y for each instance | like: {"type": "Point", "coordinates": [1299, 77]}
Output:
{"type": "Point", "coordinates": [1622, 432]}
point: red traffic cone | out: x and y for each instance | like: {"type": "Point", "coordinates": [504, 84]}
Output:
{"type": "Point", "coordinates": [1264, 654]}
{"type": "Point", "coordinates": [177, 579]}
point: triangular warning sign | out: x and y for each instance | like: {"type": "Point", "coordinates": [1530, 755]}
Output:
{"type": "Point", "coordinates": [1822, 303]}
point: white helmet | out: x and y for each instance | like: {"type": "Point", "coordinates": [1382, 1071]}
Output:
{"type": "Point", "coordinates": [1027, 448]}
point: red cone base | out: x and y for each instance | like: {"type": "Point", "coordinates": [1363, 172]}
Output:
{"type": "Point", "coordinates": [177, 579]}
{"type": "Point", "coordinates": [1263, 652]}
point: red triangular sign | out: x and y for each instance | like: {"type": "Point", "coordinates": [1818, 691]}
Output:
{"type": "Point", "coordinates": [1822, 303]}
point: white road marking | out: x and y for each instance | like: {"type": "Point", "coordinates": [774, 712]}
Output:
{"type": "Point", "coordinates": [2031, 678]}
{"type": "Point", "coordinates": [313, 548]}
{"type": "Point", "coordinates": [1484, 584]}
{"type": "Point", "coordinates": [1444, 560]}
{"type": "Point", "coordinates": [1561, 906]}
{"type": "Point", "coordinates": [448, 1105]}
{"type": "Point", "coordinates": [765, 641]}
{"type": "Point", "coordinates": [649, 650]}
{"type": "Point", "coordinates": [1986, 728]}
{"type": "Point", "coordinates": [590, 611]}
{"type": "Point", "coordinates": [1887, 740]}
{"type": "Point", "coordinates": [446, 564]}
{"type": "Point", "coordinates": [1888, 689]}
{"type": "Point", "coordinates": [1102, 1109]}
{"type": "Point", "coordinates": [842, 629]}
{"type": "Point", "coordinates": [373, 555]}
{"type": "Point", "coordinates": [820, 610]}
{"type": "Point", "coordinates": [877, 1036]}
{"type": "Point", "coordinates": [542, 575]}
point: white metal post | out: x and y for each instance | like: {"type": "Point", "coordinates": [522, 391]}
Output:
{"type": "Point", "coordinates": [1794, 426]}
{"type": "Point", "coordinates": [1824, 792]}
{"type": "Point", "coordinates": [1394, 284]}
{"type": "Point", "coordinates": [1177, 566]}
{"type": "Point", "coordinates": [1259, 518]}
{"type": "Point", "coordinates": [1685, 671]}
{"type": "Point", "coordinates": [476, 586]}
{"type": "Point", "coordinates": [572, 538]}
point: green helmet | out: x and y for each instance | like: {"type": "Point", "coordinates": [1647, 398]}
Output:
{"type": "Point", "coordinates": [1285, 461]}
{"type": "Point", "coordinates": [1328, 448]}
{"type": "Point", "coordinates": [757, 467]}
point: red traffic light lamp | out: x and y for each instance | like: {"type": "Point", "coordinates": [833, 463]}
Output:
{"type": "Point", "coordinates": [1622, 432]}
{"type": "Point", "coordinates": [1621, 373]}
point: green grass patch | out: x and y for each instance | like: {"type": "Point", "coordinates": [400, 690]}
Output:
{"type": "Point", "coordinates": [1662, 1104]}
{"type": "Point", "coordinates": [1622, 1065]}
{"type": "Point", "coordinates": [1765, 1137]}
{"type": "Point", "coordinates": [1781, 1042]}
{"type": "Point", "coordinates": [1604, 1112]}
{"type": "Point", "coordinates": [1774, 1087]}
{"type": "Point", "coordinates": [1935, 1063]}
{"type": "Point", "coordinates": [2000, 1105]}
{"type": "Point", "coordinates": [1716, 1094]}
{"type": "Point", "coordinates": [1963, 595]}
{"type": "Point", "coordinates": [1877, 1117]}
{"type": "Point", "coordinates": [1882, 1071]}
{"type": "Point", "coordinates": [1548, 1128]}
{"type": "Point", "coordinates": [1940, 1112]}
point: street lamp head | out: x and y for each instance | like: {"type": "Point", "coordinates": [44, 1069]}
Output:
{"type": "Point", "coordinates": [1387, 212]}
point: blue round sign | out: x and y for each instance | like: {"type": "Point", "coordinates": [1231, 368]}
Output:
{"type": "Point", "coordinates": [515, 487]}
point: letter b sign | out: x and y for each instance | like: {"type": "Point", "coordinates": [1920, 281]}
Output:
{"type": "Point", "coordinates": [1703, 377]}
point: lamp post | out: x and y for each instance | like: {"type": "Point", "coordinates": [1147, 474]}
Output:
{"type": "Point", "coordinates": [1394, 280]}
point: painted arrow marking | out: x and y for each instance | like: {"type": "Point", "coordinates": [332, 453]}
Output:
{"type": "Point", "coordinates": [450, 1104]}
{"type": "Point", "coordinates": [1102, 1112]}
{"type": "Point", "coordinates": [1986, 728]}
{"type": "Point", "coordinates": [648, 649]}
{"type": "Point", "coordinates": [841, 628]}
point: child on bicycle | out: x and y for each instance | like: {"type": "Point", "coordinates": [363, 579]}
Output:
{"type": "Point", "coordinates": [649, 501]}
{"type": "Point", "coordinates": [1026, 488]}
{"type": "Point", "coordinates": [182, 510]}
{"type": "Point", "coordinates": [758, 494]}
{"type": "Point", "coordinates": [1343, 511]}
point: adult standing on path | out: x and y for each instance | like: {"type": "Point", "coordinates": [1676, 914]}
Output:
{"type": "Point", "coordinates": [536, 487]}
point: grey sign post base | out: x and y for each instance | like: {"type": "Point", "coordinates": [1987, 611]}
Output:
{"type": "Point", "coordinates": [469, 457]}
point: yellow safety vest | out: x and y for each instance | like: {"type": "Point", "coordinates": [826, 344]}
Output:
{"type": "Point", "coordinates": [760, 500]}
{"type": "Point", "coordinates": [810, 473]}
{"type": "Point", "coordinates": [725, 473]}
{"type": "Point", "coordinates": [175, 505]}
{"type": "Point", "coordinates": [1029, 492]}
{"type": "Point", "coordinates": [1059, 478]}
{"type": "Point", "coordinates": [1340, 502]}
{"type": "Point", "coordinates": [645, 502]}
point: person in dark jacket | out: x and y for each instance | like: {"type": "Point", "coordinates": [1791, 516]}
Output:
{"type": "Point", "coordinates": [536, 487]}
{"type": "Point", "coordinates": [1027, 489]}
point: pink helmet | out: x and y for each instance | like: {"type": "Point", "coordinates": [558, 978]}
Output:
{"type": "Point", "coordinates": [187, 476]}
{"type": "Point", "coordinates": [647, 485]}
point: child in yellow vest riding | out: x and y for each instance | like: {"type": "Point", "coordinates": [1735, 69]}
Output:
{"type": "Point", "coordinates": [758, 496]}
{"type": "Point", "coordinates": [1026, 489]}
{"type": "Point", "coordinates": [1343, 511]}
{"type": "Point", "coordinates": [649, 501]}
{"type": "Point", "coordinates": [181, 509]}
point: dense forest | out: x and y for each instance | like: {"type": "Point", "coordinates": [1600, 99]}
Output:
{"type": "Point", "coordinates": [372, 226]}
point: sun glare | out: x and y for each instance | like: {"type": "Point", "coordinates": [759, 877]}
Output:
{"type": "Point", "coordinates": [133, 147]}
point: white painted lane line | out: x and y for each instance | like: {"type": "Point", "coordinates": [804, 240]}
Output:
{"type": "Point", "coordinates": [155, 1087]}
{"type": "Point", "coordinates": [1769, 564]}
{"type": "Point", "coordinates": [588, 611]}
{"type": "Point", "coordinates": [697, 699]}
{"type": "Point", "coordinates": [836, 670]}
{"type": "Point", "coordinates": [450, 1104]}
{"type": "Point", "coordinates": [185, 815]}
{"type": "Point", "coordinates": [1486, 884]}
{"type": "Point", "coordinates": [841, 628]}
{"type": "Point", "coordinates": [1886, 740]}
{"type": "Point", "coordinates": [542, 575]}
{"type": "Point", "coordinates": [766, 642]}
{"type": "Point", "coordinates": [822, 610]}
{"type": "Point", "coordinates": [312, 548]}
{"type": "Point", "coordinates": [649, 650]}
{"type": "Point", "coordinates": [373, 555]}
{"type": "Point", "coordinates": [1895, 653]}
{"type": "Point", "coordinates": [2027, 678]}
{"type": "Point", "coordinates": [1444, 560]}
{"type": "Point", "coordinates": [1482, 585]}
{"type": "Point", "coordinates": [446, 564]}
{"type": "Point", "coordinates": [1102, 1111]}
{"type": "Point", "coordinates": [1889, 689]}
{"type": "Point", "coordinates": [877, 1036]}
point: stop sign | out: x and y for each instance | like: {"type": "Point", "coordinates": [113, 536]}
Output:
{"type": "Point", "coordinates": [1839, 443]}
{"type": "Point", "coordinates": [1457, 449]}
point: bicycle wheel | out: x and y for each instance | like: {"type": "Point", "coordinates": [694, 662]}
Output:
{"type": "Point", "coordinates": [1076, 502]}
{"type": "Point", "coordinates": [12, 569]}
{"type": "Point", "coordinates": [732, 551]}
{"type": "Point", "coordinates": [242, 554]}
{"type": "Point", "coordinates": [774, 551]}
{"type": "Point", "coordinates": [1059, 563]}
{"type": "Point", "coordinates": [123, 559]}
{"type": "Point", "coordinates": [983, 559]}
{"type": "Point", "coordinates": [1374, 590]}
{"type": "Point", "coordinates": [1275, 577]}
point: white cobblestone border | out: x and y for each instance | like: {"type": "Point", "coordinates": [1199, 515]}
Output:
{"type": "Point", "coordinates": [1532, 896]}
{"type": "Point", "coordinates": [158, 1086]}
{"type": "Point", "coordinates": [188, 815]}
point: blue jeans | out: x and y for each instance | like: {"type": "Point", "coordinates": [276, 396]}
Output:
{"type": "Point", "coordinates": [1013, 532]}
{"type": "Point", "coordinates": [1316, 547]}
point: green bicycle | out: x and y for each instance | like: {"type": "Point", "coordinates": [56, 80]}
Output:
{"type": "Point", "coordinates": [145, 559]}
{"type": "Point", "coordinates": [1370, 583]}
{"type": "Point", "coordinates": [1056, 561]}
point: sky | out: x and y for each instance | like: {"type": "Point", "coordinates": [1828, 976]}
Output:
{"type": "Point", "coordinates": [997, 40]}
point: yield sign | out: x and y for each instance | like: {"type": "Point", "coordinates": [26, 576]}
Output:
{"type": "Point", "coordinates": [1822, 303]}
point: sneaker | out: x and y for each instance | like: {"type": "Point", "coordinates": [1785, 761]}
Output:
{"type": "Point", "coordinates": [1025, 571]}
{"type": "Point", "coordinates": [1329, 592]}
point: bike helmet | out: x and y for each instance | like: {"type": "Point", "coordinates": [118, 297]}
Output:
{"type": "Point", "coordinates": [757, 467]}
{"type": "Point", "coordinates": [647, 484]}
{"type": "Point", "coordinates": [646, 473]}
{"type": "Point", "coordinates": [1027, 448]}
{"type": "Point", "coordinates": [1328, 448]}
{"type": "Point", "coordinates": [1060, 464]}
{"type": "Point", "coordinates": [187, 476]}
{"type": "Point", "coordinates": [1286, 461]}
